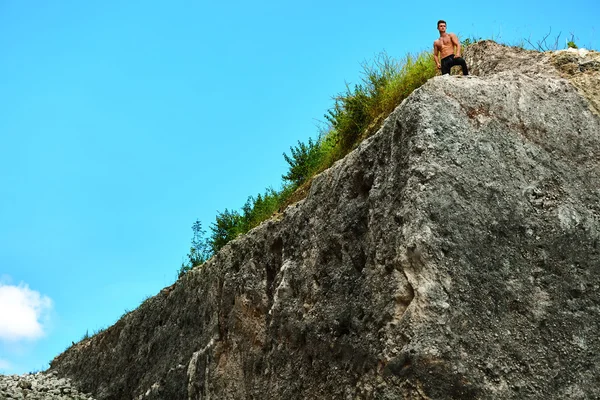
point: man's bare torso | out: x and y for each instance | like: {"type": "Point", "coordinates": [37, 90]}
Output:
{"type": "Point", "coordinates": [444, 45]}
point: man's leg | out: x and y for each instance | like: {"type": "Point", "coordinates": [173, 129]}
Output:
{"type": "Point", "coordinates": [460, 61]}
{"type": "Point", "coordinates": [446, 65]}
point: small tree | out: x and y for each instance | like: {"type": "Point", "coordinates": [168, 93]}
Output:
{"type": "Point", "coordinates": [200, 250]}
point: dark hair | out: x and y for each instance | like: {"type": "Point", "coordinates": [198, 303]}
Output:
{"type": "Point", "coordinates": [441, 21]}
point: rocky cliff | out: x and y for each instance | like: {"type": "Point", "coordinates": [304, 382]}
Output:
{"type": "Point", "coordinates": [454, 254]}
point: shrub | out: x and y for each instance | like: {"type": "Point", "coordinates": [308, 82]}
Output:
{"type": "Point", "coordinates": [200, 250]}
{"type": "Point", "coordinates": [304, 161]}
{"type": "Point", "coordinates": [469, 41]}
{"type": "Point", "coordinates": [260, 208]}
{"type": "Point", "coordinates": [227, 226]}
{"type": "Point", "coordinates": [357, 108]}
{"type": "Point", "coordinates": [358, 113]}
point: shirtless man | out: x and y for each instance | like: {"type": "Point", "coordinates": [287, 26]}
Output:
{"type": "Point", "coordinates": [445, 46]}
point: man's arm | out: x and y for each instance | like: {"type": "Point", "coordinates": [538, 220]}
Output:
{"type": "Point", "coordinates": [435, 55]}
{"type": "Point", "coordinates": [455, 42]}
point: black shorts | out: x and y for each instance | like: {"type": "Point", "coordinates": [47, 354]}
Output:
{"type": "Point", "coordinates": [451, 61]}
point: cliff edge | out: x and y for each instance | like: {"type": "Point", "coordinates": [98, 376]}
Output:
{"type": "Point", "coordinates": [454, 254]}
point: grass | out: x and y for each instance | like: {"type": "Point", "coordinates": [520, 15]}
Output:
{"type": "Point", "coordinates": [87, 334]}
{"type": "Point", "coordinates": [357, 113]}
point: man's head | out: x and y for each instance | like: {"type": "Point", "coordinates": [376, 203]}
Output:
{"type": "Point", "coordinates": [441, 26]}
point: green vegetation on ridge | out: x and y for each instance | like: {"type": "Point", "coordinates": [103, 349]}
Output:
{"type": "Point", "coordinates": [357, 114]}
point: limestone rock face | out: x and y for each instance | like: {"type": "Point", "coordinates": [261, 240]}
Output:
{"type": "Point", "coordinates": [580, 66]}
{"type": "Point", "coordinates": [454, 254]}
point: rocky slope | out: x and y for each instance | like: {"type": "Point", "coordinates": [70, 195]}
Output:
{"type": "Point", "coordinates": [38, 386]}
{"type": "Point", "coordinates": [454, 254]}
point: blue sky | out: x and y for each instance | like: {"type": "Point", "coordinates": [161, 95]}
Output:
{"type": "Point", "coordinates": [122, 122]}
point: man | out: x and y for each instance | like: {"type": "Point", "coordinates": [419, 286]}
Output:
{"type": "Point", "coordinates": [445, 47]}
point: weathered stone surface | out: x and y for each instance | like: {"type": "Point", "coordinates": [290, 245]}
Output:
{"type": "Point", "coordinates": [39, 386]}
{"type": "Point", "coordinates": [454, 254]}
{"type": "Point", "coordinates": [580, 66]}
{"type": "Point", "coordinates": [488, 58]}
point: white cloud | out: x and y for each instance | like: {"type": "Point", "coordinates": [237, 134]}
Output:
{"type": "Point", "coordinates": [22, 312]}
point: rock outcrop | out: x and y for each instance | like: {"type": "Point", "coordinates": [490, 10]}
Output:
{"type": "Point", "coordinates": [454, 254]}
{"type": "Point", "coordinates": [580, 66]}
